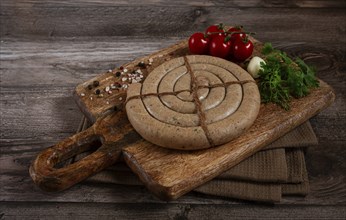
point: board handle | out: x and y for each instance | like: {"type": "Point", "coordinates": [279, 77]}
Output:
{"type": "Point", "coordinates": [49, 178]}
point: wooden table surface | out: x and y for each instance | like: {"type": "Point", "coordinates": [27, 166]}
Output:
{"type": "Point", "coordinates": [47, 48]}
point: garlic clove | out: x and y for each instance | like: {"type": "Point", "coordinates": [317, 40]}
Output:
{"type": "Point", "coordinates": [254, 66]}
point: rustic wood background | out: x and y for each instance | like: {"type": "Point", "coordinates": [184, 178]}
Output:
{"type": "Point", "coordinates": [48, 47]}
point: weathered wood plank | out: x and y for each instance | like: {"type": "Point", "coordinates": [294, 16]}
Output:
{"type": "Point", "coordinates": [68, 61]}
{"type": "Point", "coordinates": [37, 116]}
{"type": "Point", "coordinates": [164, 211]}
{"type": "Point", "coordinates": [161, 20]}
{"type": "Point", "coordinates": [231, 3]}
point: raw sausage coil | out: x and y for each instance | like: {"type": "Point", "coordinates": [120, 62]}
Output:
{"type": "Point", "coordinates": [193, 102]}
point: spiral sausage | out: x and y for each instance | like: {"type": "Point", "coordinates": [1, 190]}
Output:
{"type": "Point", "coordinates": [193, 102]}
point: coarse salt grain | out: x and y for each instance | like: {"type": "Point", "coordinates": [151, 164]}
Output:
{"type": "Point", "coordinates": [107, 103]}
{"type": "Point", "coordinates": [110, 92]}
{"type": "Point", "coordinates": [134, 81]}
{"type": "Point", "coordinates": [120, 98]}
{"type": "Point", "coordinates": [125, 70]}
{"type": "Point", "coordinates": [124, 79]}
{"type": "Point", "coordinates": [107, 88]}
{"type": "Point", "coordinates": [82, 94]}
{"type": "Point", "coordinates": [109, 70]}
{"type": "Point", "coordinates": [139, 71]}
{"type": "Point", "coordinates": [151, 60]}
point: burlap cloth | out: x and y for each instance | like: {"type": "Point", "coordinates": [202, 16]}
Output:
{"type": "Point", "coordinates": [277, 170]}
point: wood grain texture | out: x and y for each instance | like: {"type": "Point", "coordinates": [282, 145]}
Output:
{"type": "Point", "coordinates": [38, 110]}
{"type": "Point", "coordinates": [143, 19]}
{"type": "Point", "coordinates": [164, 211]}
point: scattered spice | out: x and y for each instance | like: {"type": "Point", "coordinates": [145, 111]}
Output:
{"type": "Point", "coordinates": [90, 87]}
{"type": "Point", "coordinates": [121, 68]}
{"type": "Point", "coordinates": [97, 92]}
{"type": "Point", "coordinates": [118, 74]}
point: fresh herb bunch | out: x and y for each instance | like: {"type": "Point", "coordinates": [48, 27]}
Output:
{"type": "Point", "coordinates": [282, 78]}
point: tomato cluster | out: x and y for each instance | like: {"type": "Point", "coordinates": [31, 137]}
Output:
{"type": "Point", "coordinates": [233, 44]}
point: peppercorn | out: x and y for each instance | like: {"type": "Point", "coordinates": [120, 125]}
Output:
{"type": "Point", "coordinates": [90, 87]}
{"type": "Point", "coordinates": [97, 91]}
{"type": "Point", "coordinates": [96, 83]}
{"type": "Point", "coordinates": [141, 64]}
{"type": "Point", "coordinates": [118, 74]}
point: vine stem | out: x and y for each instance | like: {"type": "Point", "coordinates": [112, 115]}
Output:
{"type": "Point", "coordinates": [228, 32]}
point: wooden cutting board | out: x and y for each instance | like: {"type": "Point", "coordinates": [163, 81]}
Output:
{"type": "Point", "coordinates": [168, 173]}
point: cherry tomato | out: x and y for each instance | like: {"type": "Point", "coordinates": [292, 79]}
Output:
{"type": "Point", "coordinates": [198, 44]}
{"type": "Point", "coordinates": [242, 49]}
{"type": "Point", "coordinates": [214, 29]}
{"type": "Point", "coordinates": [237, 35]}
{"type": "Point", "coordinates": [219, 47]}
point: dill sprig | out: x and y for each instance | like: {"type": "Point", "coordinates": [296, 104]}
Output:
{"type": "Point", "coordinates": [282, 78]}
